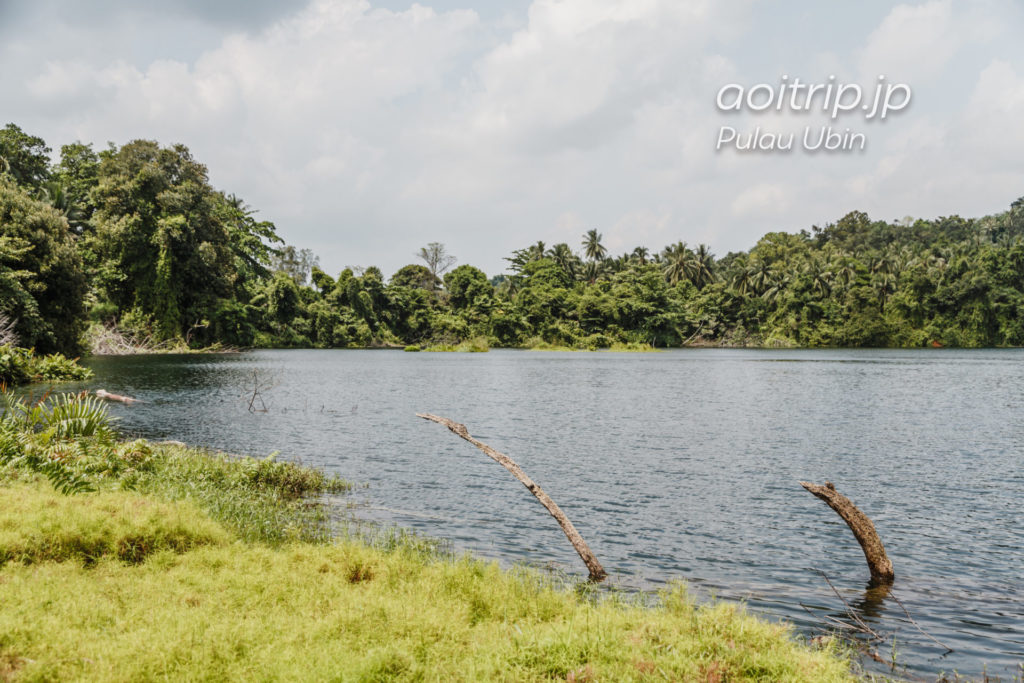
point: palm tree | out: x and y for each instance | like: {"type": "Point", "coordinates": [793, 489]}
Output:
{"type": "Point", "coordinates": [844, 271]}
{"type": "Point", "coordinates": [760, 276]}
{"type": "Point", "coordinates": [57, 195]}
{"type": "Point", "coordinates": [884, 284]}
{"type": "Point", "coordinates": [703, 267]}
{"type": "Point", "coordinates": [821, 277]}
{"type": "Point", "coordinates": [536, 251]}
{"type": "Point", "coordinates": [592, 270]}
{"type": "Point", "coordinates": [677, 263]}
{"type": "Point", "coordinates": [566, 260]}
{"type": "Point", "coordinates": [880, 264]}
{"type": "Point", "coordinates": [641, 254]}
{"type": "Point", "coordinates": [742, 279]}
{"type": "Point", "coordinates": [592, 247]}
{"type": "Point", "coordinates": [778, 281]}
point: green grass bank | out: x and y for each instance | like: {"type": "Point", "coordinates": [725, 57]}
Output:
{"type": "Point", "coordinates": [173, 563]}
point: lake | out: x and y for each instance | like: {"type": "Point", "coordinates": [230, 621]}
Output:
{"type": "Point", "coordinates": [676, 465]}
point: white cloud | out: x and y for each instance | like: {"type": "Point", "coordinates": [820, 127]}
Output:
{"type": "Point", "coordinates": [914, 42]}
{"type": "Point", "coordinates": [761, 199]}
{"type": "Point", "coordinates": [366, 133]}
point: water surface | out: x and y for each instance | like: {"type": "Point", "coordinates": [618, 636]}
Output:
{"type": "Point", "coordinates": [676, 465]}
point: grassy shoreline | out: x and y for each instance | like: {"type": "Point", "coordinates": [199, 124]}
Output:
{"type": "Point", "coordinates": [187, 564]}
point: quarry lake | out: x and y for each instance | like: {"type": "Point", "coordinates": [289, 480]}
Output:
{"type": "Point", "coordinates": [680, 465]}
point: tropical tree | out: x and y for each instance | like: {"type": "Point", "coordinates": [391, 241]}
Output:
{"type": "Point", "coordinates": [566, 260]}
{"type": "Point", "coordinates": [702, 267]}
{"type": "Point", "coordinates": [25, 157]}
{"type": "Point", "coordinates": [678, 263]}
{"type": "Point", "coordinates": [42, 285]}
{"type": "Point", "coordinates": [592, 247]}
{"type": "Point", "coordinates": [465, 285]}
{"type": "Point", "coordinates": [415, 275]}
{"type": "Point", "coordinates": [162, 243]}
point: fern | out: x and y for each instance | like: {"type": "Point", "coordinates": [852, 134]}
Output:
{"type": "Point", "coordinates": [74, 416]}
{"type": "Point", "coordinates": [16, 451]}
{"type": "Point", "coordinates": [46, 436]}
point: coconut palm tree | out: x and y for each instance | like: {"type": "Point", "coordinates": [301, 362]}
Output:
{"type": "Point", "coordinates": [844, 271]}
{"type": "Point", "coordinates": [592, 247]}
{"type": "Point", "coordinates": [821, 277]}
{"type": "Point", "coordinates": [58, 197]}
{"type": "Point", "coordinates": [677, 263]}
{"type": "Point", "coordinates": [566, 260]}
{"type": "Point", "coordinates": [760, 276]}
{"type": "Point", "coordinates": [703, 268]}
{"type": "Point", "coordinates": [777, 282]}
{"type": "Point", "coordinates": [884, 284]}
{"type": "Point", "coordinates": [592, 270]}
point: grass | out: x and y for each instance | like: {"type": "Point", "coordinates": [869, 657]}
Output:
{"type": "Point", "coordinates": [475, 345]}
{"type": "Point", "coordinates": [538, 344]}
{"type": "Point", "coordinates": [183, 564]}
{"type": "Point", "coordinates": [37, 525]}
{"type": "Point", "coordinates": [259, 500]}
{"type": "Point", "coordinates": [632, 347]}
{"type": "Point", "coordinates": [225, 609]}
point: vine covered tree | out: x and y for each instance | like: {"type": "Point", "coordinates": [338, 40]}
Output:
{"type": "Point", "coordinates": [42, 285]}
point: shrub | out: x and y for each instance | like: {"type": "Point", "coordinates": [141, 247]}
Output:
{"type": "Point", "coordinates": [20, 366]}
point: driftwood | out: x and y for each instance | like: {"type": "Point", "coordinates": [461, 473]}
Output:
{"type": "Point", "coordinates": [862, 527]}
{"type": "Point", "coordinates": [103, 393]}
{"type": "Point", "coordinates": [597, 572]}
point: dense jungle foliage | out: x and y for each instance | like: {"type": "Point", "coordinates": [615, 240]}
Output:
{"type": "Point", "coordinates": [135, 239]}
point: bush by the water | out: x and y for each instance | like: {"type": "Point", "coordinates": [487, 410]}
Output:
{"type": "Point", "coordinates": [474, 345]}
{"type": "Point", "coordinates": [20, 366]}
{"type": "Point", "coordinates": [71, 441]}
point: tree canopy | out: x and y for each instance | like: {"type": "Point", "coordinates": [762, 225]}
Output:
{"type": "Point", "coordinates": [136, 237]}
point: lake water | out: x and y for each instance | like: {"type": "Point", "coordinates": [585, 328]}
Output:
{"type": "Point", "coordinates": [676, 465]}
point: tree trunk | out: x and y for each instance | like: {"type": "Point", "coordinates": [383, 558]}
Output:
{"type": "Point", "coordinates": [862, 528]}
{"type": "Point", "coordinates": [103, 393]}
{"type": "Point", "coordinates": [597, 572]}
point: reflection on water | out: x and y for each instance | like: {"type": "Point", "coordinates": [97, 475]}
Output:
{"type": "Point", "coordinates": [675, 465]}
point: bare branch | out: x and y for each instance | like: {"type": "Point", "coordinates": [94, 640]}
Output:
{"type": "Point", "coordinates": [597, 572]}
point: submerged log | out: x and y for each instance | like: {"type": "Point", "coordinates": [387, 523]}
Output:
{"type": "Point", "coordinates": [862, 527]}
{"type": "Point", "coordinates": [597, 572]}
{"type": "Point", "coordinates": [103, 393]}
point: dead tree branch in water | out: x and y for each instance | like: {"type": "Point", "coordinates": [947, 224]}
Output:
{"type": "Point", "coordinates": [258, 388]}
{"type": "Point", "coordinates": [862, 625]}
{"type": "Point", "coordinates": [918, 626]}
{"type": "Point", "coordinates": [597, 572]}
{"type": "Point", "coordinates": [862, 527]}
{"type": "Point", "coordinates": [103, 393]}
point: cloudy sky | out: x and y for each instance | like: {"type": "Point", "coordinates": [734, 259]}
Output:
{"type": "Point", "coordinates": [366, 128]}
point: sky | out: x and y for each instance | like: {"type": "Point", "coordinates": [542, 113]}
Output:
{"type": "Point", "coordinates": [365, 129]}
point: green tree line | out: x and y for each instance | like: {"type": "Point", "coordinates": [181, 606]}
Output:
{"type": "Point", "coordinates": [136, 238]}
